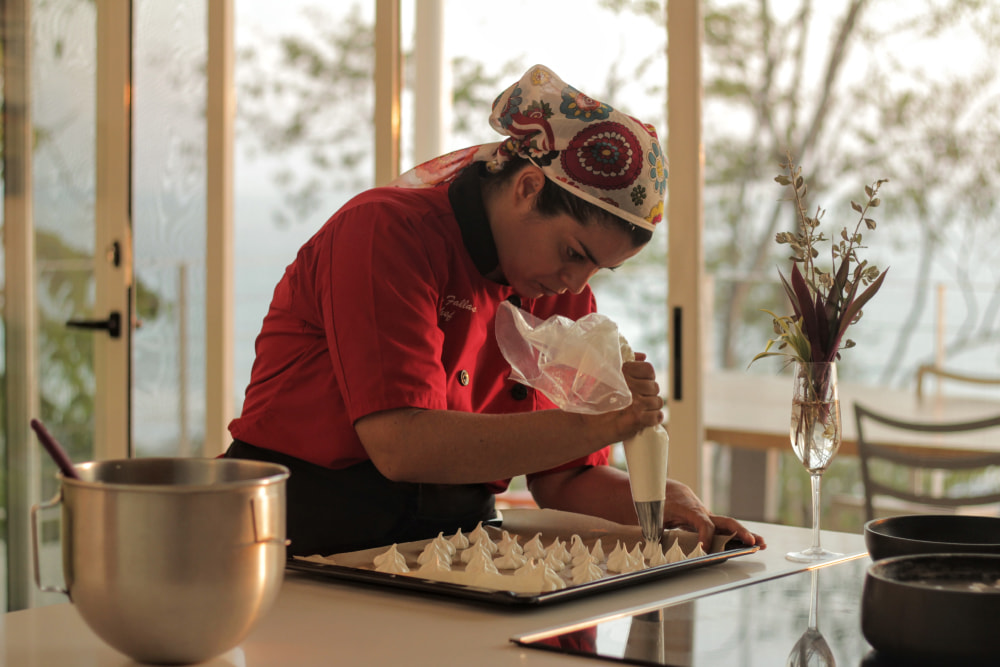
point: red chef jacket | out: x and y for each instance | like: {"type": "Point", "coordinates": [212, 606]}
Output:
{"type": "Point", "coordinates": [385, 307]}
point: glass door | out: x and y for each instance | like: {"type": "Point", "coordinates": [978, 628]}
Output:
{"type": "Point", "coordinates": [168, 394]}
{"type": "Point", "coordinates": [72, 341]}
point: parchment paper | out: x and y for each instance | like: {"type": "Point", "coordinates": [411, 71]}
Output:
{"type": "Point", "coordinates": [526, 523]}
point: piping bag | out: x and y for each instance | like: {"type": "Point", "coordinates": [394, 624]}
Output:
{"type": "Point", "coordinates": [578, 366]}
{"type": "Point", "coordinates": [646, 458]}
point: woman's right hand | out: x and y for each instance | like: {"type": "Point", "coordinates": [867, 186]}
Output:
{"type": "Point", "coordinates": [646, 408]}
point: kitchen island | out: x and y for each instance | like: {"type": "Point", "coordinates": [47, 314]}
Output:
{"type": "Point", "coordinates": [318, 621]}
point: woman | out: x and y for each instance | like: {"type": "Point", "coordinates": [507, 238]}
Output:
{"type": "Point", "coordinates": [378, 380]}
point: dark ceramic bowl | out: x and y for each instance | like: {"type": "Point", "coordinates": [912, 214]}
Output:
{"type": "Point", "coordinates": [932, 533]}
{"type": "Point", "coordinates": [934, 609]}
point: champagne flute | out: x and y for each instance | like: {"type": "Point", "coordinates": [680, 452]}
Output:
{"type": "Point", "coordinates": [815, 433]}
{"type": "Point", "coordinates": [811, 650]}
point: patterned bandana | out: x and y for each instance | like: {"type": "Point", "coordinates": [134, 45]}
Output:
{"type": "Point", "coordinates": [601, 155]}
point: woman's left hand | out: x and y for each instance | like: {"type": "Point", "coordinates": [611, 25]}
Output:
{"type": "Point", "coordinates": [683, 509]}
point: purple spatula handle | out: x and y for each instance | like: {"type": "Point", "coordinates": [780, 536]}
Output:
{"type": "Point", "coordinates": [54, 449]}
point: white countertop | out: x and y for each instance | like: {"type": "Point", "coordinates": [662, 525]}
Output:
{"type": "Point", "coordinates": [323, 622]}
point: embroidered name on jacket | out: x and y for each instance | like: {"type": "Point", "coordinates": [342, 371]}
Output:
{"type": "Point", "coordinates": [452, 304]}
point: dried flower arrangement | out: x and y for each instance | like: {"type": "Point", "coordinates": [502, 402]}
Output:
{"type": "Point", "coordinates": [824, 303]}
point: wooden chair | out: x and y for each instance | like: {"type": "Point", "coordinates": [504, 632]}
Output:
{"type": "Point", "coordinates": [919, 479]}
{"type": "Point", "coordinates": [945, 374]}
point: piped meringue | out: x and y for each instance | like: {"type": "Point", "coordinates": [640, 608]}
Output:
{"type": "Point", "coordinates": [675, 554]}
{"type": "Point", "coordinates": [533, 548]}
{"type": "Point", "coordinates": [390, 561]}
{"type": "Point", "coordinates": [586, 572]}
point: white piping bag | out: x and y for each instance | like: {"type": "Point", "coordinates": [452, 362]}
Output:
{"type": "Point", "coordinates": [646, 458]}
{"type": "Point", "coordinates": [578, 366]}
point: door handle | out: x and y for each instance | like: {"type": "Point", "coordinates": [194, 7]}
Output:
{"type": "Point", "coordinates": [113, 325]}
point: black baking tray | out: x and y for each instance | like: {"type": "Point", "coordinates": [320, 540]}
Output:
{"type": "Point", "coordinates": [526, 522]}
{"type": "Point", "coordinates": [511, 598]}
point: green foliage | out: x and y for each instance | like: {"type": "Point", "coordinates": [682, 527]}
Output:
{"type": "Point", "coordinates": [825, 303]}
{"type": "Point", "coordinates": [846, 103]}
{"type": "Point", "coordinates": [474, 89]}
{"type": "Point", "coordinates": [817, 80]}
{"type": "Point", "coordinates": [67, 383]}
{"type": "Point", "coordinates": [310, 99]}
{"type": "Point", "coordinates": [652, 9]}
{"type": "Point", "coordinates": [315, 104]}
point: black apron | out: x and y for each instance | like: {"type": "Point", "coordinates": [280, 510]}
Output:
{"type": "Point", "coordinates": [334, 511]}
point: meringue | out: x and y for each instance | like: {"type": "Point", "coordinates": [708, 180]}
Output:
{"type": "Point", "coordinates": [536, 575]}
{"type": "Point", "coordinates": [435, 568]}
{"type": "Point", "coordinates": [586, 572]}
{"type": "Point", "coordinates": [510, 560]}
{"type": "Point", "coordinates": [481, 546]}
{"type": "Point", "coordinates": [597, 552]}
{"type": "Point", "coordinates": [675, 554]}
{"type": "Point", "coordinates": [558, 550]}
{"type": "Point", "coordinates": [459, 540]}
{"type": "Point", "coordinates": [534, 548]}
{"type": "Point", "coordinates": [433, 550]}
{"type": "Point", "coordinates": [442, 543]}
{"type": "Point", "coordinates": [651, 549]}
{"type": "Point", "coordinates": [391, 561]}
{"type": "Point", "coordinates": [509, 543]}
{"type": "Point", "coordinates": [477, 533]}
{"type": "Point", "coordinates": [577, 546]}
{"type": "Point", "coordinates": [480, 563]}
{"type": "Point", "coordinates": [553, 561]}
{"type": "Point", "coordinates": [658, 557]}
{"type": "Point", "coordinates": [618, 558]}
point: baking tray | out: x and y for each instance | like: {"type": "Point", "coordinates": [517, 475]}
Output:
{"type": "Point", "coordinates": [357, 566]}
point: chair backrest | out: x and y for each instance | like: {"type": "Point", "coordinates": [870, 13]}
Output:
{"type": "Point", "coordinates": [946, 374]}
{"type": "Point", "coordinates": [920, 477]}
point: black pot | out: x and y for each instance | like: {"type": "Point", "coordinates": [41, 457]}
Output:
{"type": "Point", "coordinates": [932, 533]}
{"type": "Point", "coordinates": [934, 609]}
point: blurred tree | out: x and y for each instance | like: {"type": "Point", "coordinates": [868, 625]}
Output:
{"type": "Point", "coordinates": [852, 111]}
{"type": "Point", "coordinates": [309, 98]}
{"type": "Point", "coordinates": [838, 85]}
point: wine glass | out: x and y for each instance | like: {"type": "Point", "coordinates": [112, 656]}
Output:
{"type": "Point", "coordinates": [811, 650]}
{"type": "Point", "coordinates": [815, 434]}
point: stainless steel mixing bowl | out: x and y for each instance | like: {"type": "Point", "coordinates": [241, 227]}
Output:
{"type": "Point", "coordinates": [172, 560]}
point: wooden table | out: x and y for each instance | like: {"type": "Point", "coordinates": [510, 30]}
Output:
{"type": "Point", "coordinates": [322, 622]}
{"type": "Point", "coordinates": [753, 412]}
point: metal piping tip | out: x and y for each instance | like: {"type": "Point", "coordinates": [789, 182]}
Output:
{"type": "Point", "coordinates": [650, 514]}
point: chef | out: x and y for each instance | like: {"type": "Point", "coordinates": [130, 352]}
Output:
{"type": "Point", "coordinates": [378, 380]}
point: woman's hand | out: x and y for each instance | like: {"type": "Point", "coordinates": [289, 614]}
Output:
{"type": "Point", "coordinates": [646, 408]}
{"type": "Point", "coordinates": [683, 509]}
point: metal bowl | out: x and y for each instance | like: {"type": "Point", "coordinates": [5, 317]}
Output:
{"type": "Point", "coordinates": [932, 533]}
{"type": "Point", "coordinates": [173, 561]}
{"type": "Point", "coordinates": [933, 609]}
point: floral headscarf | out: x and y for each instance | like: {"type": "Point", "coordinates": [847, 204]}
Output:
{"type": "Point", "coordinates": [601, 155]}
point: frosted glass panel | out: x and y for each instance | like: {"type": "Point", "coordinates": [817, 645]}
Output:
{"type": "Point", "coordinates": [63, 75]}
{"type": "Point", "coordinates": [64, 78]}
{"type": "Point", "coordinates": [168, 387]}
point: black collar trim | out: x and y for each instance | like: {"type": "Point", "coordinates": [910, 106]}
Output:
{"type": "Point", "coordinates": [466, 197]}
